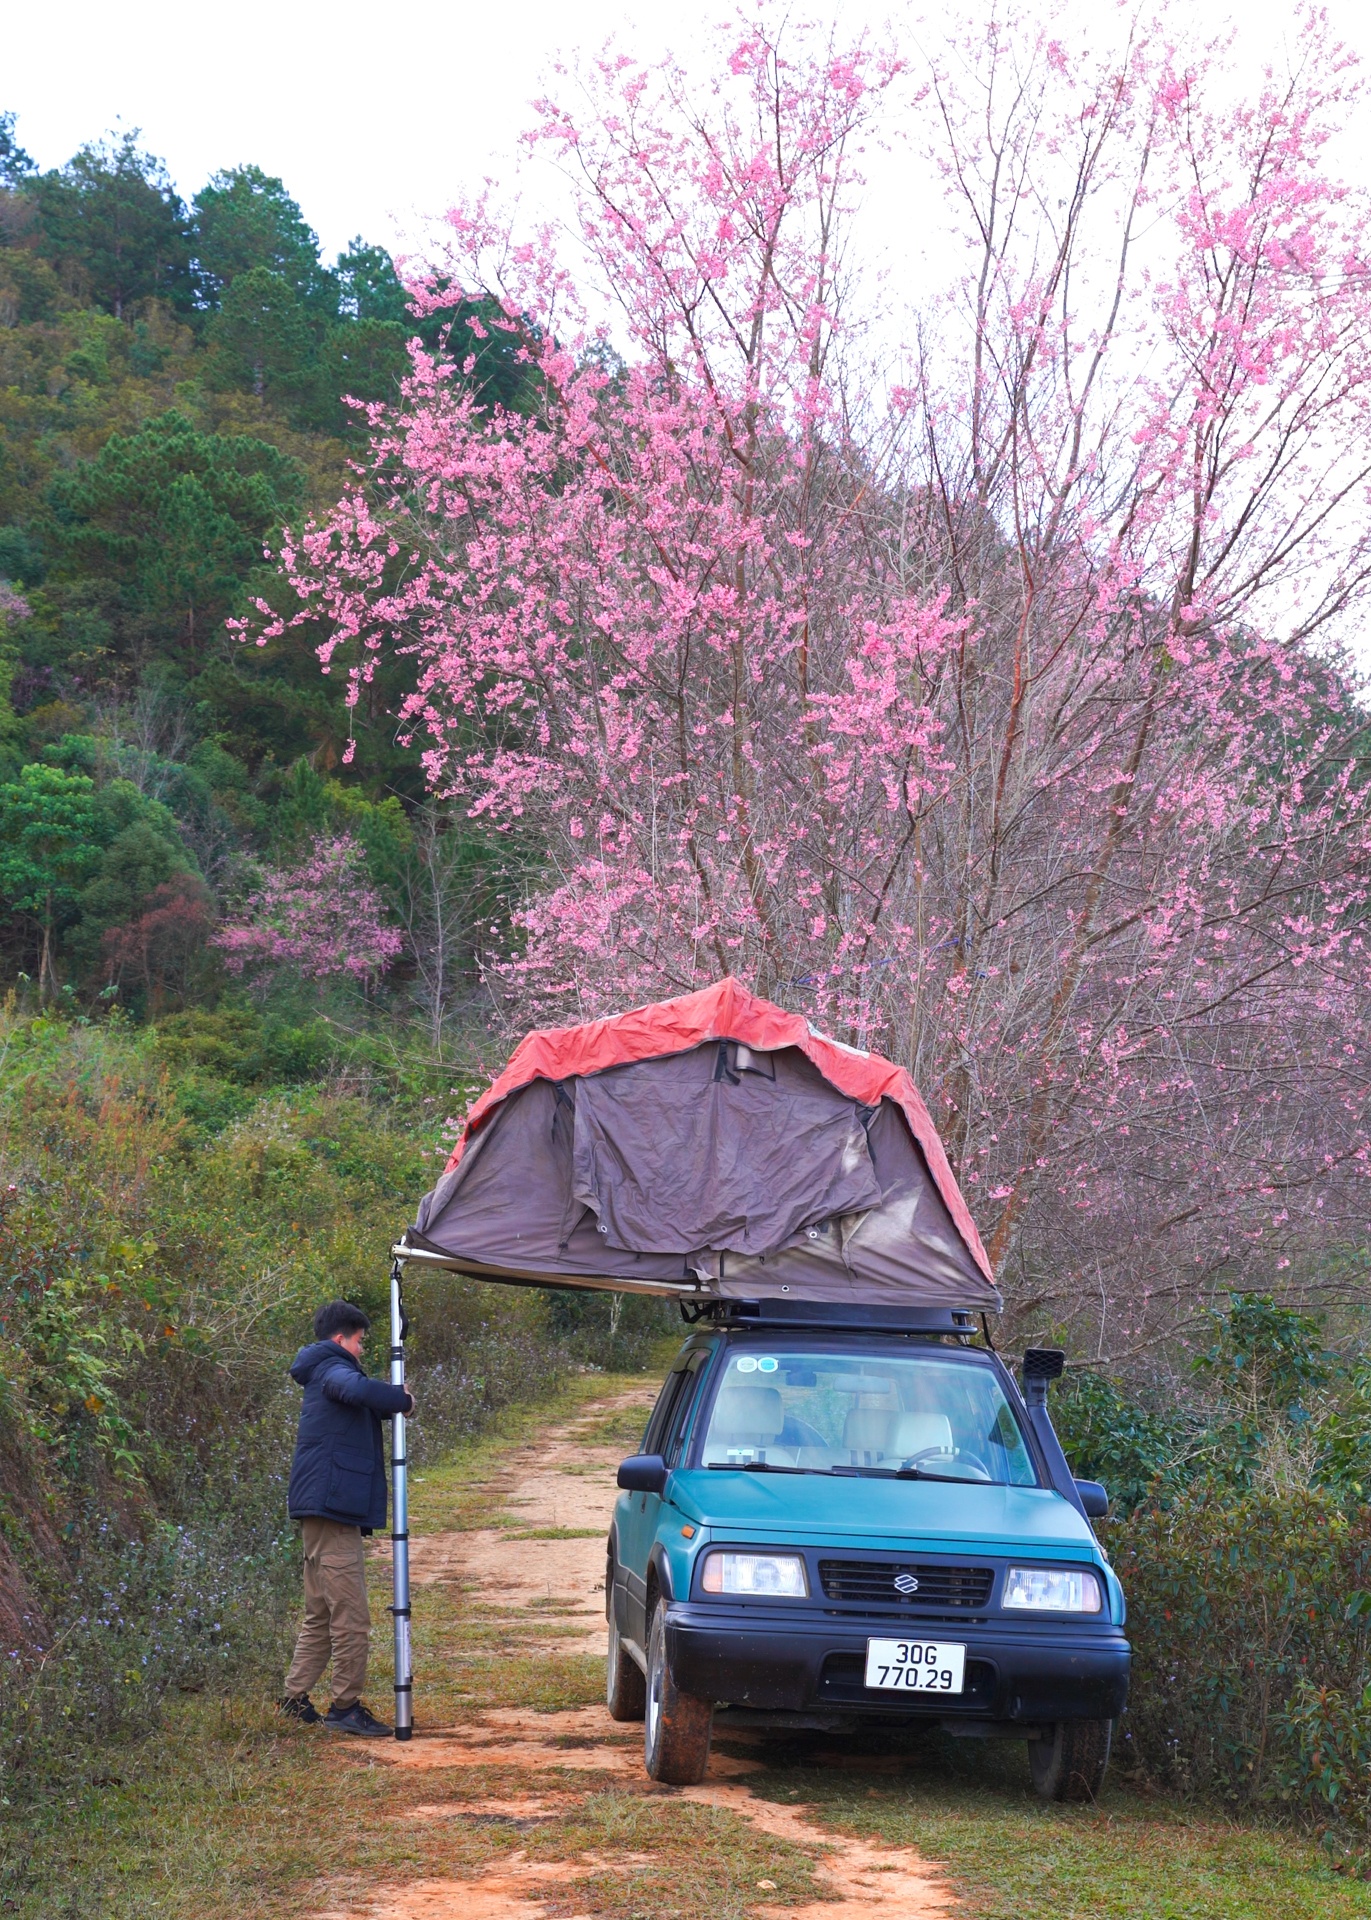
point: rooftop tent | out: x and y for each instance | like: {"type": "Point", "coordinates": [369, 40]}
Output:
{"type": "Point", "coordinates": [712, 1147]}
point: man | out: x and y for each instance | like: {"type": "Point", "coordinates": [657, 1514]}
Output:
{"type": "Point", "coordinates": [338, 1494]}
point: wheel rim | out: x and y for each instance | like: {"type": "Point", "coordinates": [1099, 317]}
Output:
{"type": "Point", "coordinates": [654, 1697]}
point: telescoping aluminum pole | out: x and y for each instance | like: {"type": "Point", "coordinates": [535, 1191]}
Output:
{"type": "Point", "coordinates": [399, 1493]}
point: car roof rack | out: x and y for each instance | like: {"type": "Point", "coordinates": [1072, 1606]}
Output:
{"type": "Point", "coordinates": [833, 1316]}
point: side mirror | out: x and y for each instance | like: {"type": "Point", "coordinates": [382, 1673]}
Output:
{"type": "Point", "coordinates": [1094, 1499]}
{"type": "Point", "coordinates": [642, 1473]}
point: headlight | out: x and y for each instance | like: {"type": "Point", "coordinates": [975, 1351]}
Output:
{"type": "Point", "coordinates": [771, 1576]}
{"type": "Point", "coordinates": [1052, 1589]}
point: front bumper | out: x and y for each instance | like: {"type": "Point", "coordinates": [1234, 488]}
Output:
{"type": "Point", "coordinates": [1016, 1671]}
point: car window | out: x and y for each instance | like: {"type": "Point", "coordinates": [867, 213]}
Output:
{"type": "Point", "coordinates": [849, 1411]}
{"type": "Point", "coordinates": [660, 1414]}
{"type": "Point", "coordinates": [678, 1419]}
{"type": "Point", "coordinates": [673, 1402]}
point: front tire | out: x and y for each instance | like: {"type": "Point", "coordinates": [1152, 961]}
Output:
{"type": "Point", "coordinates": [676, 1726]}
{"type": "Point", "coordinates": [625, 1687]}
{"type": "Point", "coordinates": [1070, 1760]}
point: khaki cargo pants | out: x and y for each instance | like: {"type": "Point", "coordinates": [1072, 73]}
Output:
{"type": "Point", "coordinates": [337, 1619]}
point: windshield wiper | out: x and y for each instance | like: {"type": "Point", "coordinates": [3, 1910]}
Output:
{"type": "Point", "coordinates": [851, 1473]}
{"type": "Point", "coordinates": [903, 1473]}
{"type": "Point", "coordinates": [756, 1466]}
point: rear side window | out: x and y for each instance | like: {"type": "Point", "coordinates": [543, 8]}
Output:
{"type": "Point", "coordinates": [682, 1407]}
{"type": "Point", "coordinates": [672, 1411]}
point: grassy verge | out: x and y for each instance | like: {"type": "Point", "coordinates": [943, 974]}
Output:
{"type": "Point", "coordinates": [229, 1814]}
{"type": "Point", "coordinates": [970, 1807]}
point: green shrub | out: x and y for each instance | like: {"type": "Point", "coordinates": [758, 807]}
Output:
{"type": "Point", "coordinates": [1234, 1604]}
{"type": "Point", "coordinates": [1325, 1764]}
{"type": "Point", "coordinates": [1263, 1382]}
{"type": "Point", "coordinates": [207, 1602]}
{"type": "Point", "coordinates": [1131, 1443]}
{"type": "Point", "coordinates": [245, 1047]}
{"type": "Point", "coordinates": [473, 1350]}
{"type": "Point", "coordinates": [616, 1331]}
{"type": "Point", "coordinates": [1244, 1547]}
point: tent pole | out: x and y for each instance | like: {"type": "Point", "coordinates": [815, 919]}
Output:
{"type": "Point", "coordinates": [399, 1477]}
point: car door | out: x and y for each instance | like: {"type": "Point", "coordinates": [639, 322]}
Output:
{"type": "Point", "coordinates": [637, 1513]}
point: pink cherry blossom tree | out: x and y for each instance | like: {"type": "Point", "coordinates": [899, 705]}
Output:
{"type": "Point", "coordinates": [980, 711]}
{"type": "Point", "coordinates": [321, 919]}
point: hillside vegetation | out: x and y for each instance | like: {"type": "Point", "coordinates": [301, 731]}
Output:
{"type": "Point", "coordinates": [176, 383]}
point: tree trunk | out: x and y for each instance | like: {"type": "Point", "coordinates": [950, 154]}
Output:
{"type": "Point", "coordinates": [47, 973]}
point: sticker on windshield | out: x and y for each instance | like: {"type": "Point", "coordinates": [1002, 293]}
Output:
{"type": "Point", "coordinates": [747, 1364]}
{"type": "Point", "coordinates": [766, 1366]}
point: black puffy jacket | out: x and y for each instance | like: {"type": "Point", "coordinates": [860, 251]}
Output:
{"type": "Point", "coordinates": [339, 1469]}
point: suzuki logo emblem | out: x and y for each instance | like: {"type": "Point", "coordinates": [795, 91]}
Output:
{"type": "Point", "coordinates": [906, 1583]}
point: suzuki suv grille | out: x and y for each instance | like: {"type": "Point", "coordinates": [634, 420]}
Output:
{"type": "Point", "coordinates": [896, 1583]}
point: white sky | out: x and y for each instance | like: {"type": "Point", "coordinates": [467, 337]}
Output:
{"type": "Point", "coordinates": [377, 118]}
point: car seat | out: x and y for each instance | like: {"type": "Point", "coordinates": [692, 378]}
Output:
{"type": "Point", "coordinates": [866, 1435]}
{"type": "Point", "coordinates": [912, 1433]}
{"type": "Point", "coordinates": [747, 1420]}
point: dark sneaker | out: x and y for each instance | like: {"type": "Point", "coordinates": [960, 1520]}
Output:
{"type": "Point", "coordinates": [299, 1706]}
{"type": "Point", "coordinates": [357, 1719]}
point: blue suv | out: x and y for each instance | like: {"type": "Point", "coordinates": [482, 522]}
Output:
{"type": "Point", "coordinates": [845, 1516]}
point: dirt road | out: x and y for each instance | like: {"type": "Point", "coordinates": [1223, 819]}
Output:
{"type": "Point", "coordinates": [558, 1493]}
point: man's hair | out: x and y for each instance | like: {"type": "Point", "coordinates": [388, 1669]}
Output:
{"type": "Point", "coordinates": [339, 1316]}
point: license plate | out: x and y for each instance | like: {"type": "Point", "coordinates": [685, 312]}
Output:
{"type": "Point", "coordinates": [915, 1666]}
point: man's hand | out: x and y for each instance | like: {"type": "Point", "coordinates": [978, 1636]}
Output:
{"type": "Point", "coordinates": [410, 1407]}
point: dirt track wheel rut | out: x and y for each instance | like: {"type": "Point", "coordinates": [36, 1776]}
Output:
{"type": "Point", "coordinates": [562, 1488]}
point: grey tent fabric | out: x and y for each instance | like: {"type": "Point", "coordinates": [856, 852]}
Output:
{"type": "Point", "coordinates": [905, 1249]}
{"type": "Point", "coordinates": [505, 1207]}
{"type": "Point", "coordinates": [711, 1172]}
{"type": "Point", "coordinates": [697, 1151]}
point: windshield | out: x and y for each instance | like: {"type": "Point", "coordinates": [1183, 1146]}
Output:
{"type": "Point", "coordinates": [926, 1416]}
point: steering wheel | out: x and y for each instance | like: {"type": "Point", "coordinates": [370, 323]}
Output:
{"type": "Point", "coordinates": [979, 1470]}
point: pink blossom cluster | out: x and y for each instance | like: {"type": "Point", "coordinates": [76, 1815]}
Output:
{"type": "Point", "coordinates": [321, 918]}
{"type": "Point", "coordinates": [977, 712]}
{"type": "Point", "coordinates": [13, 606]}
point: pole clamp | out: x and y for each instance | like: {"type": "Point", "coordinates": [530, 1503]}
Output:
{"type": "Point", "coordinates": [401, 1613]}
{"type": "Point", "coordinates": [399, 1536]}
